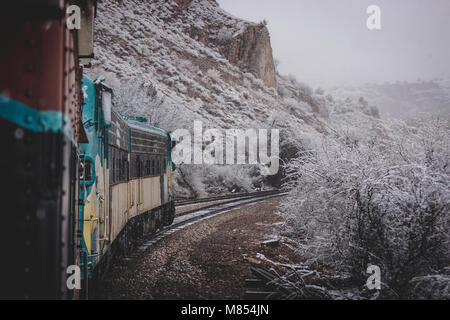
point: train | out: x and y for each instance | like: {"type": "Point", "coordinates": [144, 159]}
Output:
{"type": "Point", "coordinates": [126, 180]}
{"type": "Point", "coordinates": [82, 183]}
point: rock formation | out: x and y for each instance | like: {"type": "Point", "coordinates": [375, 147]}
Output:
{"type": "Point", "coordinates": [249, 48]}
{"type": "Point", "coordinates": [252, 51]}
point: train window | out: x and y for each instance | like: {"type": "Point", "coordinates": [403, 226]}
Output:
{"type": "Point", "coordinates": [138, 167]}
{"type": "Point", "coordinates": [127, 170]}
{"type": "Point", "coordinates": [123, 169]}
{"type": "Point", "coordinates": [106, 106]}
{"type": "Point", "coordinates": [153, 167]}
{"type": "Point", "coordinates": [119, 166]}
{"type": "Point", "coordinates": [116, 169]}
{"type": "Point", "coordinates": [88, 170]}
{"type": "Point", "coordinates": [81, 170]}
{"type": "Point", "coordinates": [133, 167]}
{"type": "Point", "coordinates": [85, 170]}
{"type": "Point", "coordinates": [147, 167]}
{"type": "Point", "coordinates": [113, 167]}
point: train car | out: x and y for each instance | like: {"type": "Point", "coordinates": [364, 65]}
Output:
{"type": "Point", "coordinates": [126, 181]}
{"type": "Point", "coordinates": [41, 132]}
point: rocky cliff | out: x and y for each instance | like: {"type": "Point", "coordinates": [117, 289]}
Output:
{"type": "Point", "coordinates": [247, 46]}
{"type": "Point", "coordinates": [252, 51]}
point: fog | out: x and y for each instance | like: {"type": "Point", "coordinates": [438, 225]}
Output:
{"type": "Point", "coordinates": [327, 42]}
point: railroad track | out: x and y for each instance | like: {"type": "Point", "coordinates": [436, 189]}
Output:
{"type": "Point", "coordinates": [200, 214]}
{"type": "Point", "coordinates": [231, 198]}
{"type": "Point", "coordinates": [185, 202]}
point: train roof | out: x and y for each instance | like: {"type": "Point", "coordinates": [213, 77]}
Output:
{"type": "Point", "coordinates": [141, 124]}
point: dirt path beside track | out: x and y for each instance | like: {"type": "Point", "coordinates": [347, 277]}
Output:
{"type": "Point", "coordinates": [208, 260]}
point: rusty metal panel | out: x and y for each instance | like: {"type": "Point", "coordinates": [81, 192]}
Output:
{"type": "Point", "coordinates": [39, 68]}
{"type": "Point", "coordinates": [72, 84]}
{"type": "Point", "coordinates": [32, 63]}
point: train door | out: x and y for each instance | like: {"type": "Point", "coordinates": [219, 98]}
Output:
{"type": "Point", "coordinates": [140, 189]}
{"type": "Point", "coordinates": [134, 188]}
{"type": "Point", "coordinates": [103, 190]}
{"type": "Point", "coordinates": [163, 179]}
{"type": "Point", "coordinates": [130, 195]}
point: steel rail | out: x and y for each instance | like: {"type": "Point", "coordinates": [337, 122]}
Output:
{"type": "Point", "coordinates": [203, 214]}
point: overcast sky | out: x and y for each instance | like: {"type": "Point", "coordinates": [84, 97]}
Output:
{"type": "Point", "coordinates": [326, 42]}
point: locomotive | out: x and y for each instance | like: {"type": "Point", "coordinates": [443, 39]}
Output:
{"type": "Point", "coordinates": [81, 182]}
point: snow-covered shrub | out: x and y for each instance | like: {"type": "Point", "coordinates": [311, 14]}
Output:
{"type": "Point", "coordinates": [230, 178]}
{"type": "Point", "coordinates": [187, 181]}
{"type": "Point", "coordinates": [303, 88]}
{"type": "Point", "coordinates": [432, 287]}
{"type": "Point", "coordinates": [304, 106]}
{"type": "Point", "coordinates": [385, 202]}
{"type": "Point", "coordinates": [374, 112]}
{"type": "Point", "coordinates": [201, 180]}
{"type": "Point", "coordinates": [283, 92]}
{"type": "Point", "coordinates": [319, 91]}
{"type": "Point", "coordinates": [259, 83]}
{"type": "Point", "coordinates": [292, 105]}
{"type": "Point", "coordinates": [214, 74]}
{"type": "Point", "coordinates": [224, 35]}
{"type": "Point", "coordinates": [291, 78]}
{"type": "Point", "coordinates": [292, 143]}
{"type": "Point", "coordinates": [321, 104]}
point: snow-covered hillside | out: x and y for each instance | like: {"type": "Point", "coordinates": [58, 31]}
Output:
{"type": "Point", "coordinates": [402, 99]}
{"type": "Point", "coordinates": [178, 61]}
{"type": "Point", "coordinates": [153, 42]}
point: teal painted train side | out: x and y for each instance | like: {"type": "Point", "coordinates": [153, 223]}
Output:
{"type": "Point", "coordinates": [126, 184]}
{"type": "Point", "coordinates": [40, 134]}
{"type": "Point", "coordinates": [93, 165]}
